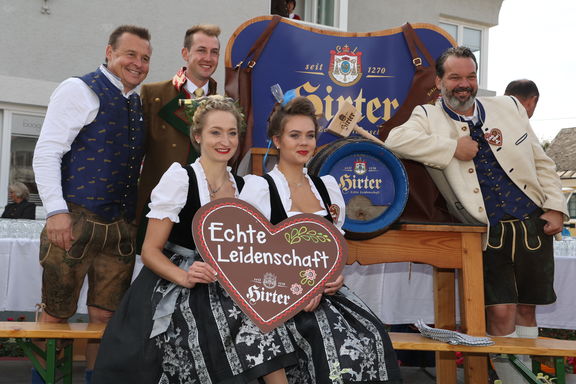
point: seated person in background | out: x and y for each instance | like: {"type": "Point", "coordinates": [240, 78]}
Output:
{"type": "Point", "coordinates": [21, 208]}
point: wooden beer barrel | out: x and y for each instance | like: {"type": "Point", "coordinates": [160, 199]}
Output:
{"type": "Point", "coordinates": [373, 182]}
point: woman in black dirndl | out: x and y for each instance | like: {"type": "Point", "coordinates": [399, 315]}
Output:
{"type": "Point", "coordinates": [176, 324]}
{"type": "Point", "coordinates": [338, 339]}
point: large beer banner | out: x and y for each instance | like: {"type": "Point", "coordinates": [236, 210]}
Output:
{"type": "Point", "coordinates": [373, 71]}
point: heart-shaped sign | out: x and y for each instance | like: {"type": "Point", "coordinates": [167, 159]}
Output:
{"type": "Point", "coordinates": [271, 271]}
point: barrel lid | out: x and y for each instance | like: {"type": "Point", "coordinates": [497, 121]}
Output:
{"type": "Point", "coordinates": [373, 182]}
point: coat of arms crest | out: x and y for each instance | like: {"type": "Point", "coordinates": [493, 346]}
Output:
{"type": "Point", "coordinates": [360, 167]}
{"type": "Point", "coordinates": [345, 66]}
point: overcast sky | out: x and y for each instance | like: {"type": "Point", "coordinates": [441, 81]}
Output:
{"type": "Point", "coordinates": [536, 39]}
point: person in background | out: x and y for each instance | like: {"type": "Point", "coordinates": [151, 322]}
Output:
{"type": "Point", "coordinates": [176, 323]}
{"type": "Point", "coordinates": [526, 92]}
{"type": "Point", "coordinates": [21, 208]}
{"type": "Point", "coordinates": [167, 127]}
{"type": "Point", "coordinates": [87, 162]}
{"type": "Point", "coordinates": [290, 6]}
{"type": "Point", "coordinates": [338, 338]}
{"type": "Point", "coordinates": [501, 175]}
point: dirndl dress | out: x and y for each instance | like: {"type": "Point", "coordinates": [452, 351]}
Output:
{"type": "Point", "coordinates": [342, 340]}
{"type": "Point", "coordinates": [164, 333]}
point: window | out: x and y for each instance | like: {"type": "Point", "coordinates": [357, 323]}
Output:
{"type": "Point", "coordinates": [24, 134]}
{"type": "Point", "coordinates": [572, 206]}
{"type": "Point", "coordinates": [21, 153]}
{"type": "Point", "coordinates": [327, 13]}
{"type": "Point", "coordinates": [473, 37]}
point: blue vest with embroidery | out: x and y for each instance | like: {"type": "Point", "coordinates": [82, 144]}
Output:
{"type": "Point", "coordinates": [501, 196]}
{"type": "Point", "coordinates": [100, 172]}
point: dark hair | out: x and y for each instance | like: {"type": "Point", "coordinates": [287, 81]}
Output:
{"type": "Point", "coordinates": [299, 106]}
{"type": "Point", "coordinates": [522, 89]}
{"type": "Point", "coordinates": [138, 31]}
{"type": "Point", "coordinates": [453, 51]}
{"type": "Point", "coordinates": [207, 29]}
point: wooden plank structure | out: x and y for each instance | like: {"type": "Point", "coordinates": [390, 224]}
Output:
{"type": "Point", "coordinates": [448, 248]}
{"type": "Point", "coordinates": [23, 332]}
{"type": "Point", "coordinates": [505, 345]}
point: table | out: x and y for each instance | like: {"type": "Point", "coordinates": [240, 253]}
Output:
{"type": "Point", "coordinates": [21, 276]}
{"type": "Point", "coordinates": [401, 293]}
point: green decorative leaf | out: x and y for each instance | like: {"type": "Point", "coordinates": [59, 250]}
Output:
{"type": "Point", "coordinates": [297, 235]}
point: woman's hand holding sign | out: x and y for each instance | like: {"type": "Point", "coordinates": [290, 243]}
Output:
{"type": "Point", "coordinates": [313, 304]}
{"type": "Point", "coordinates": [329, 289]}
{"type": "Point", "coordinates": [199, 272]}
{"type": "Point", "coordinates": [333, 286]}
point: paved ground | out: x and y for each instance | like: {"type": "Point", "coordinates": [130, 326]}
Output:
{"type": "Point", "coordinates": [18, 372]}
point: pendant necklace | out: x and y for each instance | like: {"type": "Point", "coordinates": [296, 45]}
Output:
{"type": "Point", "coordinates": [213, 192]}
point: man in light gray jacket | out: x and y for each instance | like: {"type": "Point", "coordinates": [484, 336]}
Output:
{"type": "Point", "coordinates": [500, 174]}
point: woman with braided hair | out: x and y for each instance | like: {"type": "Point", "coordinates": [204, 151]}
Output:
{"type": "Point", "coordinates": [176, 324]}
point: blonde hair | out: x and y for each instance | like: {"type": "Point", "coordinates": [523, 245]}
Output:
{"type": "Point", "coordinates": [200, 107]}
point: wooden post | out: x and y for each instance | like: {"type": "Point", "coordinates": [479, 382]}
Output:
{"type": "Point", "coordinates": [445, 317]}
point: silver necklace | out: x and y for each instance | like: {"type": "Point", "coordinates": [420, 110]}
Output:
{"type": "Point", "coordinates": [297, 185]}
{"type": "Point", "coordinates": [213, 192]}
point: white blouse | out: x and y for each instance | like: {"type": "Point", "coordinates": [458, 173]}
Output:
{"type": "Point", "coordinates": [257, 193]}
{"type": "Point", "coordinates": [169, 196]}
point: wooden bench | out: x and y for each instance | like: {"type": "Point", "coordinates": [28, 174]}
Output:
{"type": "Point", "coordinates": [502, 345]}
{"type": "Point", "coordinates": [23, 332]}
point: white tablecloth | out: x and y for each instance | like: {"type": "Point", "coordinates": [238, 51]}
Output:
{"type": "Point", "coordinates": [396, 295]}
{"type": "Point", "coordinates": [399, 296]}
{"type": "Point", "coordinates": [21, 276]}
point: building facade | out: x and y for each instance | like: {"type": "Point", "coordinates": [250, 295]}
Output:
{"type": "Point", "coordinates": [44, 42]}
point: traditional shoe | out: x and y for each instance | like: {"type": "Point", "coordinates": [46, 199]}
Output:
{"type": "Point", "coordinates": [36, 378]}
{"type": "Point", "coordinates": [88, 376]}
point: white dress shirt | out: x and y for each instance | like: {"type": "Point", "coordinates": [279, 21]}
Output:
{"type": "Point", "coordinates": [170, 195]}
{"type": "Point", "coordinates": [191, 87]}
{"type": "Point", "coordinates": [72, 106]}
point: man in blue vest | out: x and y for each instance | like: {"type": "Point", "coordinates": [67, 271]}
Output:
{"type": "Point", "coordinates": [500, 174]}
{"type": "Point", "coordinates": [86, 164]}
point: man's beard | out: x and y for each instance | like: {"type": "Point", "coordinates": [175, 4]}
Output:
{"type": "Point", "coordinates": [454, 103]}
